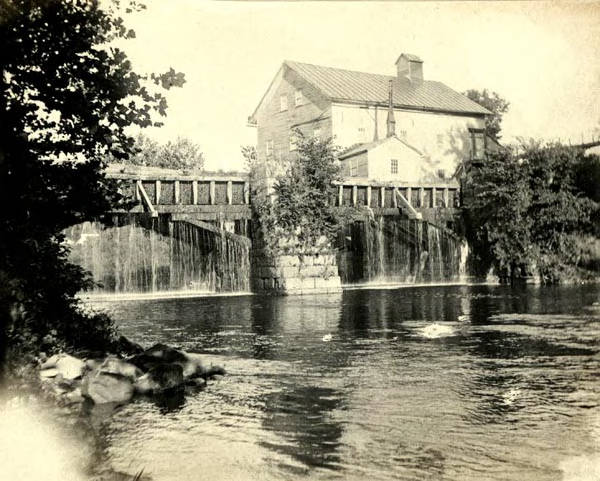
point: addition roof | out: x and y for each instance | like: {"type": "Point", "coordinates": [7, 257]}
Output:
{"type": "Point", "coordinates": [348, 86]}
{"type": "Point", "coordinates": [360, 148]}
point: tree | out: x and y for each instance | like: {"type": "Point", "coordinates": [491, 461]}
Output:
{"type": "Point", "coordinates": [67, 94]}
{"type": "Point", "coordinates": [498, 227]}
{"type": "Point", "coordinates": [181, 154]}
{"type": "Point", "coordinates": [495, 104]}
{"type": "Point", "coordinates": [525, 212]}
{"type": "Point", "coordinates": [560, 211]}
{"type": "Point", "coordinates": [300, 212]}
{"type": "Point", "coordinates": [587, 176]}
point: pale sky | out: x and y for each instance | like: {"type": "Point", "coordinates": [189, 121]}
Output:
{"type": "Point", "coordinates": [543, 57]}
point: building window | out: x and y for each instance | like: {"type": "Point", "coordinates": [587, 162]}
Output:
{"type": "Point", "coordinates": [298, 98]}
{"type": "Point", "coordinates": [402, 134]}
{"type": "Point", "coordinates": [353, 168]}
{"type": "Point", "coordinates": [362, 134]}
{"type": "Point", "coordinates": [317, 132]}
{"type": "Point", "coordinates": [269, 148]}
{"type": "Point", "coordinates": [293, 142]}
{"type": "Point", "coordinates": [477, 144]}
{"type": "Point", "coordinates": [394, 166]}
{"type": "Point", "coordinates": [283, 103]}
{"type": "Point", "coordinates": [441, 173]}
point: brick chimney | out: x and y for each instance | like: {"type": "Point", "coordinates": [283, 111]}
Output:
{"type": "Point", "coordinates": [410, 66]}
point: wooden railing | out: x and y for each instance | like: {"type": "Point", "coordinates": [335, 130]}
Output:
{"type": "Point", "coordinates": [383, 195]}
{"type": "Point", "coordinates": [163, 187]}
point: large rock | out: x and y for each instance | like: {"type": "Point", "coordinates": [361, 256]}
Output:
{"type": "Point", "coordinates": [159, 378]}
{"type": "Point", "coordinates": [161, 354]}
{"type": "Point", "coordinates": [50, 362]}
{"type": "Point", "coordinates": [74, 396]}
{"type": "Point", "coordinates": [48, 373]}
{"type": "Point", "coordinates": [192, 366]}
{"type": "Point", "coordinates": [113, 365]}
{"type": "Point", "coordinates": [158, 354]}
{"type": "Point", "coordinates": [107, 388]}
{"type": "Point", "coordinates": [125, 346]}
{"type": "Point", "coordinates": [70, 367]}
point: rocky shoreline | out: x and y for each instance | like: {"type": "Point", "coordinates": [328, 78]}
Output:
{"type": "Point", "coordinates": [79, 390]}
{"type": "Point", "coordinates": [115, 380]}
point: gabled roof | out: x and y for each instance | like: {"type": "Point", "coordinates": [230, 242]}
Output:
{"type": "Point", "coordinates": [410, 57]}
{"type": "Point", "coordinates": [347, 86]}
{"type": "Point", "coordinates": [360, 148]}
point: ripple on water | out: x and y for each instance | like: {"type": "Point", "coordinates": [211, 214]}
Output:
{"type": "Point", "coordinates": [453, 383]}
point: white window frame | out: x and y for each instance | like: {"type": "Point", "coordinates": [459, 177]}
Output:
{"type": "Point", "coordinates": [477, 140]}
{"type": "Point", "coordinates": [293, 142]}
{"type": "Point", "coordinates": [317, 132]}
{"type": "Point", "coordinates": [298, 98]}
{"type": "Point", "coordinates": [269, 148]}
{"type": "Point", "coordinates": [283, 102]}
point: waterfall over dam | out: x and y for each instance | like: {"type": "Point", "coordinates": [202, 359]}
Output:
{"type": "Point", "coordinates": [141, 254]}
{"type": "Point", "coordinates": [385, 249]}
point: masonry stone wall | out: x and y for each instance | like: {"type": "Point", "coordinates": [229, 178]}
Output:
{"type": "Point", "coordinates": [294, 274]}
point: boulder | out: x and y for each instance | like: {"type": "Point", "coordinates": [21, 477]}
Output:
{"type": "Point", "coordinates": [197, 382]}
{"type": "Point", "coordinates": [74, 396]}
{"type": "Point", "coordinates": [113, 365]}
{"type": "Point", "coordinates": [161, 377]}
{"type": "Point", "coordinates": [92, 364]}
{"type": "Point", "coordinates": [125, 346]}
{"type": "Point", "coordinates": [161, 354]}
{"type": "Point", "coordinates": [70, 367]}
{"type": "Point", "coordinates": [192, 366]}
{"type": "Point", "coordinates": [50, 362]}
{"type": "Point", "coordinates": [48, 373]}
{"type": "Point", "coordinates": [107, 388]}
{"type": "Point", "coordinates": [158, 354]}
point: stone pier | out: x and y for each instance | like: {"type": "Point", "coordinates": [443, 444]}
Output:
{"type": "Point", "coordinates": [294, 274]}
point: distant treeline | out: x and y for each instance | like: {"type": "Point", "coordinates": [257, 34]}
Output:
{"type": "Point", "coordinates": [181, 154]}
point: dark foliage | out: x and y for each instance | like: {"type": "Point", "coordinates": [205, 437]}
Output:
{"type": "Point", "coordinates": [66, 97]}
{"type": "Point", "coordinates": [526, 214]}
{"type": "Point", "coordinates": [495, 104]}
{"type": "Point", "coordinates": [587, 176]}
{"type": "Point", "coordinates": [299, 216]}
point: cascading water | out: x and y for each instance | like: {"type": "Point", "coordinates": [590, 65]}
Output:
{"type": "Point", "coordinates": [398, 250]}
{"type": "Point", "coordinates": [149, 255]}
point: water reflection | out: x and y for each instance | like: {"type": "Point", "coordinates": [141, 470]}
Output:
{"type": "Point", "coordinates": [302, 418]}
{"type": "Point", "coordinates": [511, 378]}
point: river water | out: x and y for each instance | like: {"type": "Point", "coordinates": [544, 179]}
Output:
{"type": "Point", "coordinates": [422, 383]}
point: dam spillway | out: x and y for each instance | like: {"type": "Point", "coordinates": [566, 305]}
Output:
{"type": "Point", "coordinates": [140, 254]}
{"type": "Point", "coordinates": [385, 249]}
